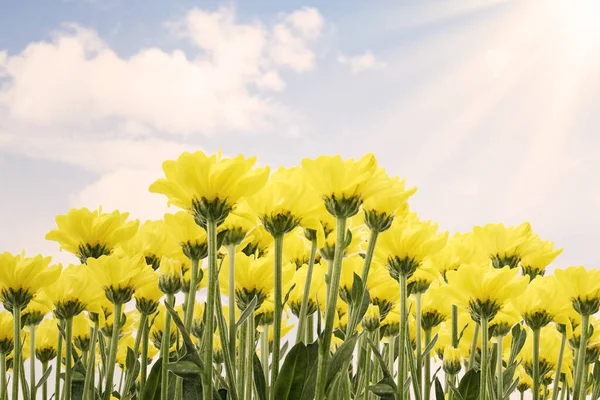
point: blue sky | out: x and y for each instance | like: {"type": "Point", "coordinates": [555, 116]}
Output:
{"type": "Point", "coordinates": [489, 107]}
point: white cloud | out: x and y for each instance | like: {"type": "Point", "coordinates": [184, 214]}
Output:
{"type": "Point", "coordinates": [362, 62]}
{"type": "Point", "coordinates": [77, 81]}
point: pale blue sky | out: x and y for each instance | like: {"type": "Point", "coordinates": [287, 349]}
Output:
{"type": "Point", "coordinates": [489, 107]}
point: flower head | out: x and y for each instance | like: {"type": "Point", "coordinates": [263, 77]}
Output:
{"type": "Point", "coordinates": [37, 309]}
{"type": "Point", "coordinates": [504, 245]}
{"type": "Point", "coordinates": [451, 360]}
{"type": "Point", "coordinates": [535, 262]}
{"type": "Point", "coordinates": [543, 302]}
{"type": "Point", "coordinates": [582, 287]}
{"type": "Point", "coordinates": [148, 296]}
{"type": "Point", "coordinates": [91, 234]}
{"type": "Point", "coordinates": [381, 208]}
{"type": "Point", "coordinates": [191, 237]}
{"type": "Point", "coordinates": [74, 292]}
{"type": "Point", "coordinates": [209, 186]}
{"type": "Point", "coordinates": [483, 290]}
{"type": "Point", "coordinates": [22, 277]}
{"type": "Point", "coordinates": [154, 242]}
{"type": "Point", "coordinates": [6, 332]}
{"type": "Point", "coordinates": [46, 340]}
{"type": "Point", "coordinates": [317, 289]}
{"type": "Point", "coordinates": [120, 276]}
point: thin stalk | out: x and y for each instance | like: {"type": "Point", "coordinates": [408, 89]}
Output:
{"type": "Point", "coordinates": [121, 379]}
{"type": "Point", "coordinates": [484, 359]}
{"type": "Point", "coordinates": [223, 336]}
{"type": "Point", "coordinates": [354, 317]}
{"type": "Point", "coordinates": [377, 372]}
{"type": "Point", "coordinates": [69, 357]}
{"type": "Point", "coordinates": [402, 337]}
{"type": "Point", "coordinates": [455, 326]}
{"type": "Point", "coordinates": [536, 364]}
{"type": "Point", "coordinates": [419, 378]}
{"type": "Point", "coordinates": [427, 361]}
{"type": "Point", "coordinates": [565, 389]}
{"type": "Point", "coordinates": [164, 350]}
{"type": "Point", "coordinates": [24, 387]}
{"type": "Point", "coordinates": [499, 371]}
{"type": "Point", "coordinates": [16, 351]}
{"type": "Point", "coordinates": [310, 328]}
{"type": "Point", "coordinates": [277, 294]}
{"type": "Point", "coordinates": [191, 296]}
{"type": "Point", "coordinates": [392, 355]}
{"type": "Point", "coordinates": [264, 353]}
{"type": "Point", "coordinates": [144, 356]}
{"type": "Point", "coordinates": [579, 383]}
{"type": "Point", "coordinates": [88, 385]}
{"type": "Point", "coordinates": [112, 354]}
{"type": "Point", "coordinates": [103, 356]}
{"type": "Point", "coordinates": [45, 384]}
{"type": "Point", "coordinates": [330, 310]}
{"type": "Point", "coordinates": [3, 388]}
{"type": "Point", "coordinates": [561, 354]}
{"type": "Point", "coordinates": [231, 297]}
{"type": "Point", "coordinates": [58, 363]}
{"type": "Point", "coordinates": [207, 382]}
{"type": "Point", "coordinates": [32, 388]}
{"type": "Point", "coordinates": [367, 372]}
{"type": "Point", "coordinates": [241, 361]}
{"type": "Point", "coordinates": [474, 347]}
{"type": "Point", "coordinates": [250, 350]}
{"type": "Point", "coordinates": [136, 347]}
{"type": "Point", "coordinates": [302, 319]}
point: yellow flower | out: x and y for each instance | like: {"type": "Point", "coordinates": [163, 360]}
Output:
{"type": "Point", "coordinates": [535, 262]}
{"type": "Point", "coordinates": [74, 292]}
{"type": "Point", "coordinates": [462, 248]}
{"type": "Point", "coordinates": [198, 183]}
{"type": "Point", "coordinates": [237, 224]}
{"type": "Point", "coordinates": [254, 277]}
{"type": "Point", "coordinates": [381, 208]}
{"type": "Point", "coordinates": [258, 242]}
{"type": "Point", "coordinates": [483, 290]}
{"type": "Point", "coordinates": [405, 245]}
{"type": "Point", "coordinates": [423, 277]}
{"type": "Point", "coordinates": [22, 277]}
{"type": "Point", "coordinates": [46, 340]}
{"type": "Point", "coordinates": [435, 307]}
{"type": "Point", "coordinates": [120, 277]}
{"type": "Point", "coordinates": [504, 321]}
{"type": "Point", "coordinates": [190, 236]}
{"type": "Point", "coordinates": [88, 233]}
{"type": "Point", "coordinates": [286, 202]}
{"type": "Point", "coordinates": [503, 245]}
{"type": "Point", "coordinates": [154, 241]}
{"type": "Point", "coordinates": [344, 184]}
{"type": "Point", "coordinates": [125, 342]}
{"type": "Point", "coordinates": [525, 382]}
{"type": "Point", "coordinates": [582, 288]}
{"type": "Point", "coordinates": [550, 341]}
{"type": "Point", "coordinates": [81, 332]}
{"type": "Point", "coordinates": [158, 326]}
{"type": "Point", "coordinates": [452, 358]}
{"type": "Point", "coordinates": [371, 318]}
{"type": "Point", "coordinates": [6, 332]}
{"type": "Point", "coordinates": [169, 275]}
{"type": "Point", "coordinates": [296, 248]}
{"type": "Point", "coordinates": [37, 309]}
{"type": "Point", "coordinates": [359, 236]}
{"type": "Point", "coordinates": [148, 296]}
{"type": "Point", "coordinates": [317, 289]}
{"type": "Point", "coordinates": [543, 302]}
{"type": "Point", "coordinates": [383, 289]}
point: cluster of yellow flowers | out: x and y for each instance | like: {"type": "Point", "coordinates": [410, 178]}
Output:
{"type": "Point", "coordinates": [326, 256]}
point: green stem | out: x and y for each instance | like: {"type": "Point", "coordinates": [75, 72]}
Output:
{"type": "Point", "coordinates": [455, 326]}
{"type": "Point", "coordinates": [402, 337]}
{"type": "Point", "coordinates": [45, 384]}
{"type": "Point", "coordinates": [207, 383]}
{"type": "Point", "coordinates": [88, 386]}
{"type": "Point", "coordinates": [565, 389]}
{"type": "Point", "coordinates": [144, 356]}
{"type": "Point", "coordinates": [581, 369]}
{"type": "Point", "coordinates": [474, 347]}
{"type": "Point", "coordinates": [557, 375]}
{"type": "Point", "coordinates": [32, 388]}
{"type": "Point", "coordinates": [367, 372]}
{"type": "Point", "coordinates": [165, 346]}
{"type": "Point", "coordinates": [330, 310]}
{"type": "Point", "coordinates": [3, 383]}
{"type": "Point", "coordinates": [277, 294]}
{"type": "Point", "coordinates": [499, 371]}
{"type": "Point", "coordinates": [391, 354]}
{"type": "Point", "coordinates": [302, 319]}
{"type": "Point", "coordinates": [241, 361]}
{"type": "Point", "coordinates": [418, 314]}
{"type": "Point", "coordinates": [136, 347]}
{"type": "Point", "coordinates": [377, 371]}
{"type": "Point", "coordinates": [231, 297]}
{"type": "Point", "coordinates": [310, 328]}
{"type": "Point", "coordinates": [536, 364]}
{"type": "Point", "coordinates": [191, 296]}
{"type": "Point", "coordinates": [24, 387]}
{"type": "Point", "coordinates": [264, 353]}
{"type": "Point", "coordinates": [484, 359]}
{"type": "Point", "coordinates": [112, 353]}
{"type": "Point", "coordinates": [103, 356]}
{"type": "Point", "coordinates": [121, 381]}
{"type": "Point", "coordinates": [250, 351]}
{"type": "Point", "coordinates": [69, 357]}
{"type": "Point", "coordinates": [16, 351]}
{"type": "Point", "coordinates": [58, 363]}
{"type": "Point", "coordinates": [223, 336]}
{"type": "Point", "coordinates": [427, 361]}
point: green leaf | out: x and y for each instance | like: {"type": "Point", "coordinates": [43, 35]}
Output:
{"type": "Point", "coordinates": [259, 378]}
{"type": "Point", "coordinates": [187, 340]}
{"type": "Point", "coordinates": [387, 376]}
{"type": "Point", "coordinates": [185, 368]}
{"type": "Point", "coordinates": [130, 359]}
{"type": "Point", "coordinates": [293, 374]}
{"type": "Point", "coordinates": [357, 288]}
{"type": "Point", "coordinates": [44, 377]}
{"type": "Point", "coordinates": [283, 350]}
{"type": "Point", "coordinates": [469, 385]}
{"type": "Point", "coordinates": [152, 387]}
{"type": "Point", "coordinates": [347, 238]}
{"type": "Point", "coordinates": [287, 295]}
{"type": "Point", "coordinates": [430, 346]}
{"type": "Point", "coordinates": [340, 359]}
{"type": "Point", "coordinates": [456, 393]}
{"type": "Point", "coordinates": [381, 389]}
{"type": "Point", "coordinates": [508, 391]}
{"type": "Point", "coordinates": [310, 385]}
{"type": "Point", "coordinates": [439, 392]}
{"type": "Point", "coordinates": [247, 312]}
{"type": "Point", "coordinates": [462, 332]}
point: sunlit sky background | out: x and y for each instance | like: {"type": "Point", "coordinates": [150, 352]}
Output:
{"type": "Point", "coordinates": [491, 108]}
